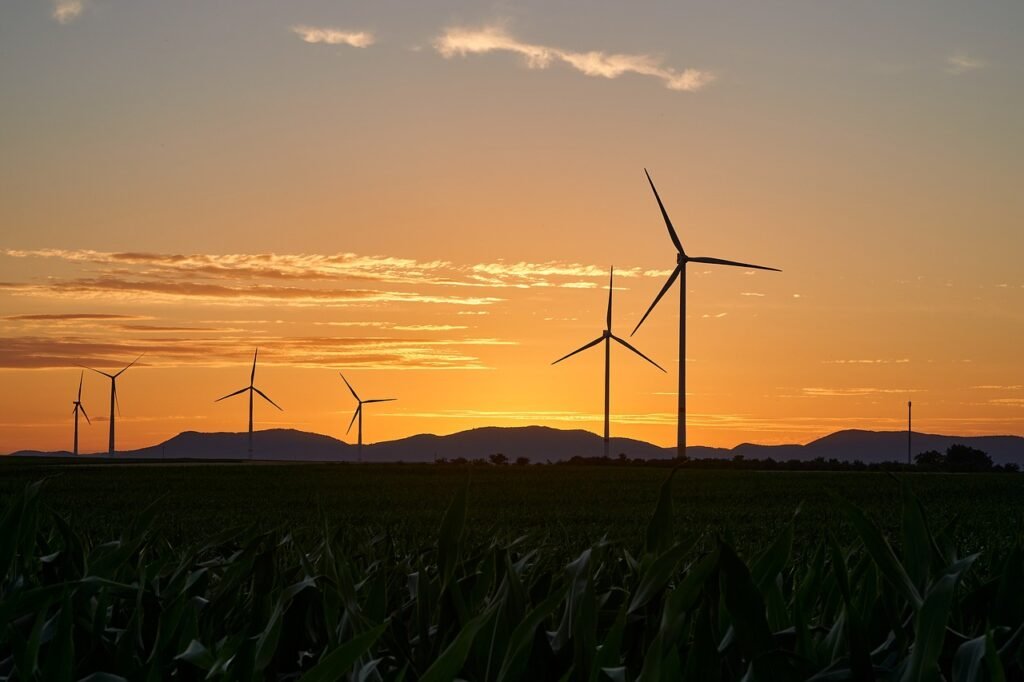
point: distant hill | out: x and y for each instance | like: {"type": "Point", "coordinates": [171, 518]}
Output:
{"type": "Point", "coordinates": [541, 443]}
{"type": "Point", "coordinates": [884, 446]}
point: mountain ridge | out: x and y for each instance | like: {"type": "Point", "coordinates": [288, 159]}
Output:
{"type": "Point", "coordinates": [543, 443]}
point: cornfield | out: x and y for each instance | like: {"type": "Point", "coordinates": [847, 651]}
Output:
{"type": "Point", "coordinates": [350, 605]}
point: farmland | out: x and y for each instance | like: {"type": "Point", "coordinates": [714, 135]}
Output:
{"type": "Point", "coordinates": [572, 506]}
{"type": "Point", "coordinates": [394, 572]}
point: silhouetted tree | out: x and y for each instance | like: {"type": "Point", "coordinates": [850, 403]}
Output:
{"type": "Point", "coordinates": [522, 461]}
{"type": "Point", "coordinates": [932, 459]}
{"type": "Point", "coordinates": [498, 459]}
{"type": "Point", "coordinates": [965, 458]}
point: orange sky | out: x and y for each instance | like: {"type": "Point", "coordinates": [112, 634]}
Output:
{"type": "Point", "coordinates": [430, 201]}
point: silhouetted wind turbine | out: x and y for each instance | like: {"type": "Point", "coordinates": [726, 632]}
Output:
{"type": "Point", "coordinates": [79, 408]}
{"type": "Point", "coordinates": [607, 337]}
{"type": "Point", "coordinates": [251, 389]}
{"type": "Point", "coordinates": [359, 412]}
{"type": "Point", "coordinates": [680, 271]}
{"type": "Point", "coordinates": [113, 398]}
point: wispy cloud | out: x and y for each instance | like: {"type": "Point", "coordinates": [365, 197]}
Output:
{"type": "Point", "coordinates": [371, 352]}
{"type": "Point", "coordinates": [72, 317]}
{"type": "Point", "coordinates": [334, 267]}
{"type": "Point", "coordinates": [462, 41]}
{"type": "Point", "coordinates": [111, 289]}
{"type": "Point", "coordinates": [66, 11]}
{"type": "Point", "coordinates": [961, 62]}
{"type": "Point", "coordinates": [868, 361]}
{"type": "Point", "coordinates": [817, 392]}
{"type": "Point", "coordinates": [333, 36]}
{"type": "Point", "coordinates": [535, 416]}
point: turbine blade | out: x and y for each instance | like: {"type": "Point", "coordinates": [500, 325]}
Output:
{"type": "Point", "coordinates": [354, 415]}
{"type": "Point", "coordinates": [252, 376]}
{"type": "Point", "coordinates": [264, 395]}
{"type": "Point", "coordinates": [379, 400]}
{"type": "Point", "coordinates": [241, 390]}
{"type": "Point", "coordinates": [129, 365]}
{"type": "Point", "coordinates": [85, 413]}
{"type": "Point", "coordinates": [664, 214]}
{"type": "Point", "coordinates": [116, 401]}
{"type": "Point", "coordinates": [611, 277]}
{"type": "Point", "coordinates": [668, 284]}
{"type": "Point", "coordinates": [354, 394]}
{"type": "Point", "coordinates": [736, 264]}
{"type": "Point", "coordinates": [81, 378]}
{"type": "Point", "coordinates": [626, 344]}
{"type": "Point", "coordinates": [109, 376]}
{"type": "Point", "coordinates": [580, 349]}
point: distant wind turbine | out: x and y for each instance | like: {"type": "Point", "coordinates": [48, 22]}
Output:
{"type": "Point", "coordinates": [680, 272]}
{"type": "Point", "coordinates": [113, 398]}
{"type": "Point", "coordinates": [359, 412]}
{"type": "Point", "coordinates": [79, 408]}
{"type": "Point", "coordinates": [251, 389]}
{"type": "Point", "coordinates": [607, 337]}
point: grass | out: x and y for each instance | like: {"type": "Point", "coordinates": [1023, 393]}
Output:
{"type": "Point", "coordinates": [546, 573]}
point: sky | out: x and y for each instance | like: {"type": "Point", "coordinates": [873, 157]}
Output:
{"type": "Point", "coordinates": [429, 196]}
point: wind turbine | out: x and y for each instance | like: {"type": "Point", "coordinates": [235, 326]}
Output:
{"type": "Point", "coordinates": [680, 272]}
{"type": "Point", "coordinates": [607, 337]}
{"type": "Point", "coordinates": [113, 398]}
{"type": "Point", "coordinates": [251, 389]}
{"type": "Point", "coordinates": [79, 408]}
{"type": "Point", "coordinates": [359, 412]}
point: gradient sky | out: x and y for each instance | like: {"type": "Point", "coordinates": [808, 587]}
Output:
{"type": "Point", "coordinates": [428, 196]}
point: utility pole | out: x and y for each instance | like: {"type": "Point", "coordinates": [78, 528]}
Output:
{"type": "Point", "coordinates": [909, 430]}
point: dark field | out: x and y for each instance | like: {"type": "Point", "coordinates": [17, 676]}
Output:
{"type": "Point", "coordinates": [569, 506]}
{"type": "Point", "coordinates": [392, 572]}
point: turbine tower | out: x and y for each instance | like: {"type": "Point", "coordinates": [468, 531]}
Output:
{"type": "Point", "coordinates": [680, 272]}
{"type": "Point", "coordinates": [251, 388]}
{"type": "Point", "coordinates": [79, 407]}
{"type": "Point", "coordinates": [113, 399]}
{"type": "Point", "coordinates": [607, 337]}
{"type": "Point", "coordinates": [359, 412]}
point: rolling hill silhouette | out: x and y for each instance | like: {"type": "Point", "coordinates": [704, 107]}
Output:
{"type": "Point", "coordinates": [541, 443]}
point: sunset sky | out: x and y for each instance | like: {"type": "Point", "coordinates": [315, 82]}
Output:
{"type": "Point", "coordinates": [428, 196]}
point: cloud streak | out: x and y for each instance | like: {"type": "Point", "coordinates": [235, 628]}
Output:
{"type": "Point", "coordinates": [314, 268]}
{"type": "Point", "coordinates": [114, 289]}
{"type": "Point", "coordinates": [463, 41]}
{"type": "Point", "coordinates": [333, 36]}
{"type": "Point", "coordinates": [367, 352]}
{"type": "Point", "coordinates": [66, 11]}
{"type": "Point", "coordinates": [960, 63]}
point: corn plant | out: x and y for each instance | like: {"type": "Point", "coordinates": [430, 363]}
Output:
{"type": "Point", "coordinates": [352, 605]}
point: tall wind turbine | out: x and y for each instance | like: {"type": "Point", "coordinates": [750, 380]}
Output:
{"type": "Point", "coordinates": [79, 407]}
{"type": "Point", "coordinates": [113, 398]}
{"type": "Point", "coordinates": [680, 272]}
{"type": "Point", "coordinates": [359, 412]}
{"type": "Point", "coordinates": [251, 388]}
{"type": "Point", "coordinates": [607, 337]}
